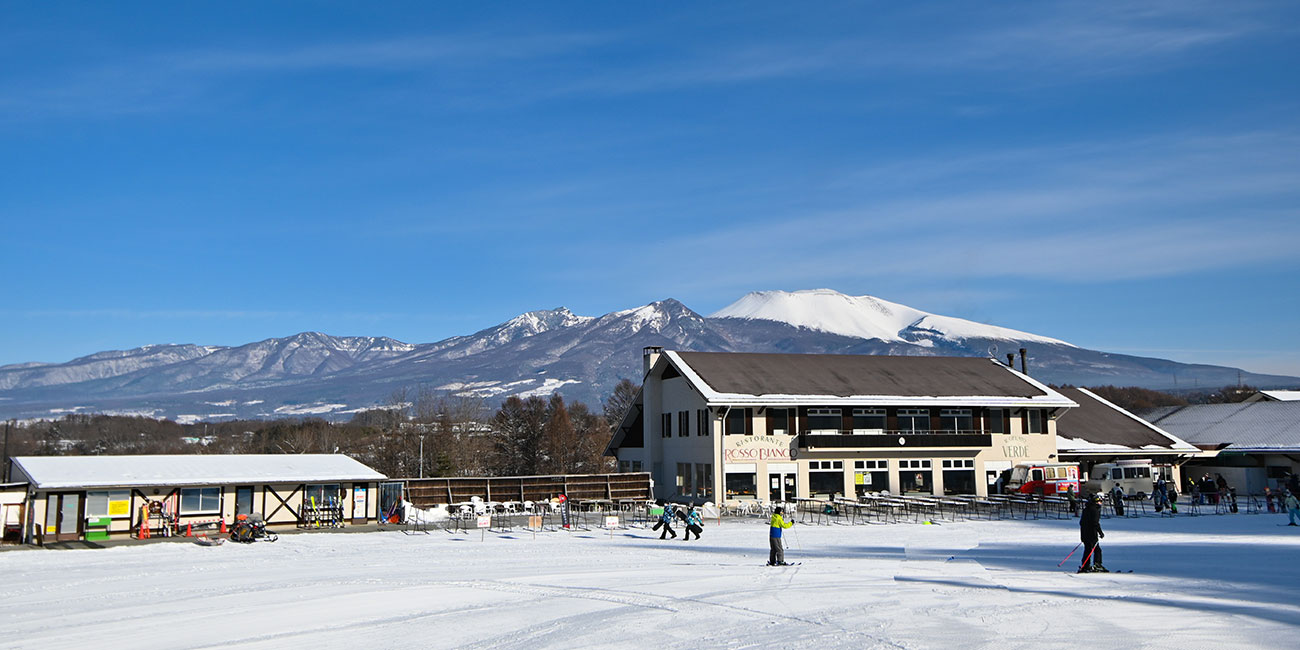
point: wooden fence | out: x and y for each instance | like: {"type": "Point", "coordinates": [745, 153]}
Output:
{"type": "Point", "coordinates": [427, 492]}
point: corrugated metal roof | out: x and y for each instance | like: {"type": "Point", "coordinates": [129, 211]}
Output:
{"type": "Point", "coordinates": [852, 376]}
{"type": "Point", "coordinates": [1253, 425]}
{"type": "Point", "coordinates": [1098, 425]}
{"type": "Point", "coordinates": [59, 472]}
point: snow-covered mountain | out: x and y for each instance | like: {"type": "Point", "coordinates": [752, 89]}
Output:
{"type": "Point", "coordinates": [865, 317]}
{"type": "Point", "coordinates": [537, 353]}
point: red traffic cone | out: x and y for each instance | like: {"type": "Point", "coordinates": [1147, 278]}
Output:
{"type": "Point", "coordinates": [223, 526]}
{"type": "Point", "coordinates": [189, 530]}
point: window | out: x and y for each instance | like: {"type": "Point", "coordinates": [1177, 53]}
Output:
{"type": "Point", "coordinates": [625, 466]}
{"type": "Point", "coordinates": [666, 425]}
{"type": "Point", "coordinates": [870, 476]}
{"type": "Point", "coordinates": [916, 420]}
{"type": "Point", "coordinates": [683, 478]}
{"type": "Point", "coordinates": [1137, 472]}
{"type": "Point", "coordinates": [778, 422]}
{"type": "Point", "coordinates": [956, 420]}
{"type": "Point", "coordinates": [200, 500]}
{"type": "Point", "coordinates": [959, 476]}
{"type": "Point", "coordinates": [702, 422]}
{"type": "Point", "coordinates": [1033, 421]}
{"type": "Point", "coordinates": [996, 420]}
{"type": "Point", "coordinates": [738, 422]}
{"type": "Point", "coordinates": [742, 484]}
{"type": "Point", "coordinates": [115, 503]}
{"type": "Point", "coordinates": [868, 420]}
{"type": "Point", "coordinates": [704, 480]}
{"type": "Point", "coordinates": [321, 492]}
{"type": "Point", "coordinates": [915, 476]}
{"type": "Point", "coordinates": [826, 477]}
{"type": "Point", "coordinates": [824, 420]}
{"type": "Point", "coordinates": [683, 424]}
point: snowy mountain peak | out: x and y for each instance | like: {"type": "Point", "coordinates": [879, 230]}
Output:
{"type": "Point", "coordinates": [865, 317]}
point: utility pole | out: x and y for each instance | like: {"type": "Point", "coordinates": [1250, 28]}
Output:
{"type": "Point", "coordinates": [421, 455]}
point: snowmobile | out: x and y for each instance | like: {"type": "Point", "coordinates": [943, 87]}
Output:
{"type": "Point", "coordinates": [251, 528]}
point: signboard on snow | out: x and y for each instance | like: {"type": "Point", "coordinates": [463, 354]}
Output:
{"type": "Point", "coordinates": [611, 521]}
{"type": "Point", "coordinates": [484, 521]}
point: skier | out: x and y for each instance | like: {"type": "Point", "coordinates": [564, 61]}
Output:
{"type": "Point", "coordinates": [1268, 499]}
{"type": "Point", "coordinates": [1292, 509]}
{"type": "Point", "coordinates": [776, 556]}
{"type": "Point", "coordinates": [1117, 500]}
{"type": "Point", "coordinates": [670, 513]}
{"type": "Point", "coordinates": [1074, 502]}
{"type": "Point", "coordinates": [1089, 533]}
{"type": "Point", "coordinates": [1161, 495]}
{"type": "Point", "coordinates": [694, 524]}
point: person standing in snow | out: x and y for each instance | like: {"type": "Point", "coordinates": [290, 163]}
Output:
{"type": "Point", "coordinates": [1074, 502]}
{"type": "Point", "coordinates": [694, 524]}
{"type": "Point", "coordinates": [1292, 509]}
{"type": "Point", "coordinates": [1161, 494]}
{"type": "Point", "coordinates": [776, 554]}
{"type": "Point", "coordinates": [1089, 533]}
{"type": "Point", "coordinates": [666, 519]}
{"type": "Point", "coordinates": [1117, 500]}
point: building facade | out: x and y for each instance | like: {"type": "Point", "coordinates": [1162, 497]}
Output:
{"type": "Point", "coordinates": [725, 426]}
{"type": "Point", "coordinates": [100, 497]}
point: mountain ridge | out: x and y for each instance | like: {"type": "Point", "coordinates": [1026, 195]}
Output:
{"type": "Point", "coordinates": [312, 373]}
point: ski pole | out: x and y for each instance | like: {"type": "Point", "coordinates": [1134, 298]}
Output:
{"type": "Point", "coordinates": [797, 545]}
{"type": "Point", "coordinates": [1076, 547]}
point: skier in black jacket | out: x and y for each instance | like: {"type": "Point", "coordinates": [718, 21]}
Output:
{"type": "Point", "coordinates": [1089, 533]}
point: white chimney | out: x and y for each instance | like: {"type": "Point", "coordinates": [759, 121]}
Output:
{"type": "Point", "coordinates": [649, 355]}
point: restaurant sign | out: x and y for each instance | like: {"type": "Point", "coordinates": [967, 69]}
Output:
{"type": "Point", "coordinates": [747, 449]}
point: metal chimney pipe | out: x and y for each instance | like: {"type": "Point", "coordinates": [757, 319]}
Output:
{"type": "Point", "coordinates": [1011, 360]}
{"type": "Point", "coordinates": [1023, 369]}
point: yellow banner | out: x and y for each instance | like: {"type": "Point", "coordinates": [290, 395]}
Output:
{"type": "Point", "coordinates": [119, 508]}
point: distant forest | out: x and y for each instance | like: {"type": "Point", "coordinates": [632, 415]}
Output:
{"type": "Point", "coordinates": [416, 433]}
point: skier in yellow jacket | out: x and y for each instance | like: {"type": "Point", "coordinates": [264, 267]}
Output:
{"type": "Point", "coordinates": [776, 557]}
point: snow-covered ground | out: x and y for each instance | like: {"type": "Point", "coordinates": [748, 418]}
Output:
{"type": "Point", "coordinates": [1207, 582]}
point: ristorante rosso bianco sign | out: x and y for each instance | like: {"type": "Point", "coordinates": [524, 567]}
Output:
{"type": "Point", "coordinates": [747, 449]}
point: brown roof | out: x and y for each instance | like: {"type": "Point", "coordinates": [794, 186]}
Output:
{"type": "Point", "coordinates": [1099, 423]}
{"type": "Point", "coordinates": [849, 375]}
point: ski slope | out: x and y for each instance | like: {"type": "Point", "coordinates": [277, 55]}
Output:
{"type": "Point", "coordinates": [1227, 581]}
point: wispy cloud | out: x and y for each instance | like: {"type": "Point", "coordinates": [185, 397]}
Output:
{"type": "Point", "coordinates": [1108, 211]}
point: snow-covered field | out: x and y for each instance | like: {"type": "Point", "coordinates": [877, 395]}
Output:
{"type": "Point", "coordinates": [1207, 582]}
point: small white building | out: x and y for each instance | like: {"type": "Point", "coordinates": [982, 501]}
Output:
{"type": "Point", "coordinates": [73, 497]}
{"type": "Point", "coordinates": [779, 426]}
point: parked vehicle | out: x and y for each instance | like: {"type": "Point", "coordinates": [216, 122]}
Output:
{"type": "Point", "coordinates": [251, 528]}
{"type": "Point", "coordinates": [1043, 478]}
{"type": "Point", "coordinates": [1134, 477]}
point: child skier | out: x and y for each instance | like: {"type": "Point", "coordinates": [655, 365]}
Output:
{"type": "Point", "coordinates": [694, 524]}
{"type": "Point", "coordinates": [666, 519]}
{"type": "Point", "coordinates": [1292, 509]}
{"type": "Point", "coordinates": [1089, 533]}
{"type": "Point", "coordinates": [776, 555]}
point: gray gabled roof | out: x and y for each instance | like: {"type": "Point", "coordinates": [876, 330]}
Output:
{"type": "Point", "coordinates": [1098, 426]}
{"type": "Point", "coordinates": [729, 377]}
{"type": "Point", "coordinates": [1259, 426]}
{"type": "Point", "coordinates": [72, 472]}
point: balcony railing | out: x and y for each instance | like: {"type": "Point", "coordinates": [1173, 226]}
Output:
{"type": "Point", "coordinates": [895, 439]}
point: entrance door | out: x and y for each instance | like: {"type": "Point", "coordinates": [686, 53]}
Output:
{"type": "Point", "coordinates": [243, 500]}
{"type": "Point", "coordinates": [63, 517]}
{"type": "Point", "coordinates": [782, 486]}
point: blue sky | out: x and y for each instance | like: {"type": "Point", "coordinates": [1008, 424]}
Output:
{"type": "Point", "coordinates": [1125, 177]}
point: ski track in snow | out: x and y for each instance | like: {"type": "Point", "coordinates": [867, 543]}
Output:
{"type": "Point", "coordinates": [962, 585]}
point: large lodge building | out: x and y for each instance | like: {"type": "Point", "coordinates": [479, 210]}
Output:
{"type": "Point", "coordinates": [779, 426]}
